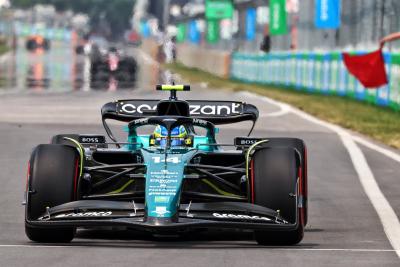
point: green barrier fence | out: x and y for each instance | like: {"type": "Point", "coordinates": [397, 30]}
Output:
{"type": "Point", "coordinates": [317, 73]}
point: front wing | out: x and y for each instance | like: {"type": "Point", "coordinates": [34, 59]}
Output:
{"type": "Point", "coordinates": [223, 215]}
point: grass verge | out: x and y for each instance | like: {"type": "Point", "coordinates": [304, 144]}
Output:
{"type": "Point", "coordinates": [3, 49]}
{"type": "Point", "coordinates": [379, 123]}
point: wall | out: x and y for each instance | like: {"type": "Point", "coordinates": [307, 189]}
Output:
{"type": "Point", "coordinates": [213, 61]}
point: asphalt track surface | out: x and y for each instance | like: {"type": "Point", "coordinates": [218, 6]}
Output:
{"type": "Point", "coordinates": [344, 227]}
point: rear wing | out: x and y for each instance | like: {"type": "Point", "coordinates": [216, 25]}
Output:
{"type": "Point", "coordinates": [217, 112]}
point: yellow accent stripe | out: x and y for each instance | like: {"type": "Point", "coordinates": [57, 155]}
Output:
{"type": "Point", "coordinates": [181, 135]}
{"type": "Point", "coordinates": [119, 190]}
{"type": "Point", "coordinates": [80, 149]}
{"type": "Point", "coordinates": [248, 158]}
{"type": "Point", "coordinates": [222, 192]}
{"type": "Point", "coordinates": [172, 87]}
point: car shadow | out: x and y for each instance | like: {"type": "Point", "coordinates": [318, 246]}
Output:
{"type": "Point", "coordinates": [218, 239]}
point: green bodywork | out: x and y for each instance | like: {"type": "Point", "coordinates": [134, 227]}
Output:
{"type": "Point", "coordinates": [164, 179]}
{"type": "Point", "coordinates": [165, 170]}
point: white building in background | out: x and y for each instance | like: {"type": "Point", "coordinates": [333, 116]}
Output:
{"type": "Point", "coordinates": [4, 3]}
{"type": "Point", "coordinates": [139, 13]}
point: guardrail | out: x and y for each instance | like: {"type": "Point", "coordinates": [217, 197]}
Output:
{"type": "Point", "coordinates": [322, 73]}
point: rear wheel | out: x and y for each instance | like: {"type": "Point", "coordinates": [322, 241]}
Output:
{"type": "Point", "coordinates": [52, 181]}
{"type": "Point", "coordinates": [274, 178]}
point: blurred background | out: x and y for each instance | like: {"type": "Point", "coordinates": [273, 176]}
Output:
{"type": "Point", "coordinates": [239, 24]}
{"type": "Point", "coordinates": [243, 25]}
{"type": "Point", "coordinates": [94, 44]}
{"type": "Point", "coordinates": [62, 60]}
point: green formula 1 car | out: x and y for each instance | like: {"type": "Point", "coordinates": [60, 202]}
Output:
{"type": "Point", "coordinates": [170, 180]}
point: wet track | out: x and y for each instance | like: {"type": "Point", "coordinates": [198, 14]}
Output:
{"type": "Point", "coordinates": [61, 70]}
{"type": "Point", "coordinates": [344, 228]}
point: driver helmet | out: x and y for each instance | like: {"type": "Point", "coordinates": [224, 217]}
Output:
{"type": "Point", "coordinates": [178, 136]}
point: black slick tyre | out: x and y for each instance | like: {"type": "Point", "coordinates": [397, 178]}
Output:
{"type": "Point", "coordinates": [59, 139]}
{"type": "Point", "coordinates": [52, 180]}
{"type": "Point", "coordinates": [301, 148]}
{"type": "Point", "coordinates": [274, 180]}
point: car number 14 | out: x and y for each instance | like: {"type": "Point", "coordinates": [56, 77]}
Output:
{"type": "Point", "coordinates": [173, 160]}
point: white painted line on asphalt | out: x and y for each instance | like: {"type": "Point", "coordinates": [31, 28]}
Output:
{"type": "Point", "coordinates": [209, 246]}
{"type": "Point", "coordinates": [336, 249]}
{"type": "Point", "coordinates": [276, 113]}
{"type": "Point", "coordinates": [283, 108]}
{"type": "Point", "coordinates": [339, 249]}
{"type": "Point", "coordinates": [387, 216]}
{"type": "Point", "coordinates": [388, 153]}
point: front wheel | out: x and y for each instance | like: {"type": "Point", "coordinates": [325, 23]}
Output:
{"type": "Point", "coordinates": [52, 181]}
{"type": "Point", "coordinates": [274, 178]}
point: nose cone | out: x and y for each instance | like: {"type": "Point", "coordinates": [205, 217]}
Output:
{"type": "Point", "coordinates": [164, 179]}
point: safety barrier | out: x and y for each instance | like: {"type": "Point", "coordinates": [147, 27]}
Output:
{"type": "Point", "coordinates": [213, 61]}
{"type": "Point", "coordinates": [316, 73]}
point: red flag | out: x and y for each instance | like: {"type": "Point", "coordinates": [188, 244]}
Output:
{"type": "Point", "coordinates": [369, 69]}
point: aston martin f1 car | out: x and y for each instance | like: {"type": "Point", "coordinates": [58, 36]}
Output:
{"type": "Point", "coordinates": [174, 179]}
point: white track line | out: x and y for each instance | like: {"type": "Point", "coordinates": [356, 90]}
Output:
{"type": "Point", "coordinates": [255, 246]}
{"type": "Point", "coordinates": [387, 216]}
{"type": "Point", "coordinates": [283, 108]}
{"type": "Point", "coordinates": [388, 153]}
{"type": "Point", "coordinates": [276, 113]}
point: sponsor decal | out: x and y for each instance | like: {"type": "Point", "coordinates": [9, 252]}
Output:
{"type": "Point", "coordinates": [97, 139]}
{"type": "Point", "coordinates": [85, 214]}
{"type": "Point", "coordinates": [227, 109]}
{"type": "Point", "coordinates": [244, 141]}
{"type": "Point", "coordinates": [211, 109]}
{"type": "Point", "coordinates": [131, 109]}
{"type": "Point", "coordinates": [141, 121]}
{"type": "Point", "coordinates": [240, 217]}
{"type": "Point", "coordinates": [161, 211]}
{"type": "Point", "coordinates": [162, 189]}
{"type": "Point", "coordinates": [161, 199]}
{"type": "Point", "coordinates": [199, 122]}
{"type": "Point", "coordinates": [163, 172]}
{"type": "Point", "coordinates": [163, 181]}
